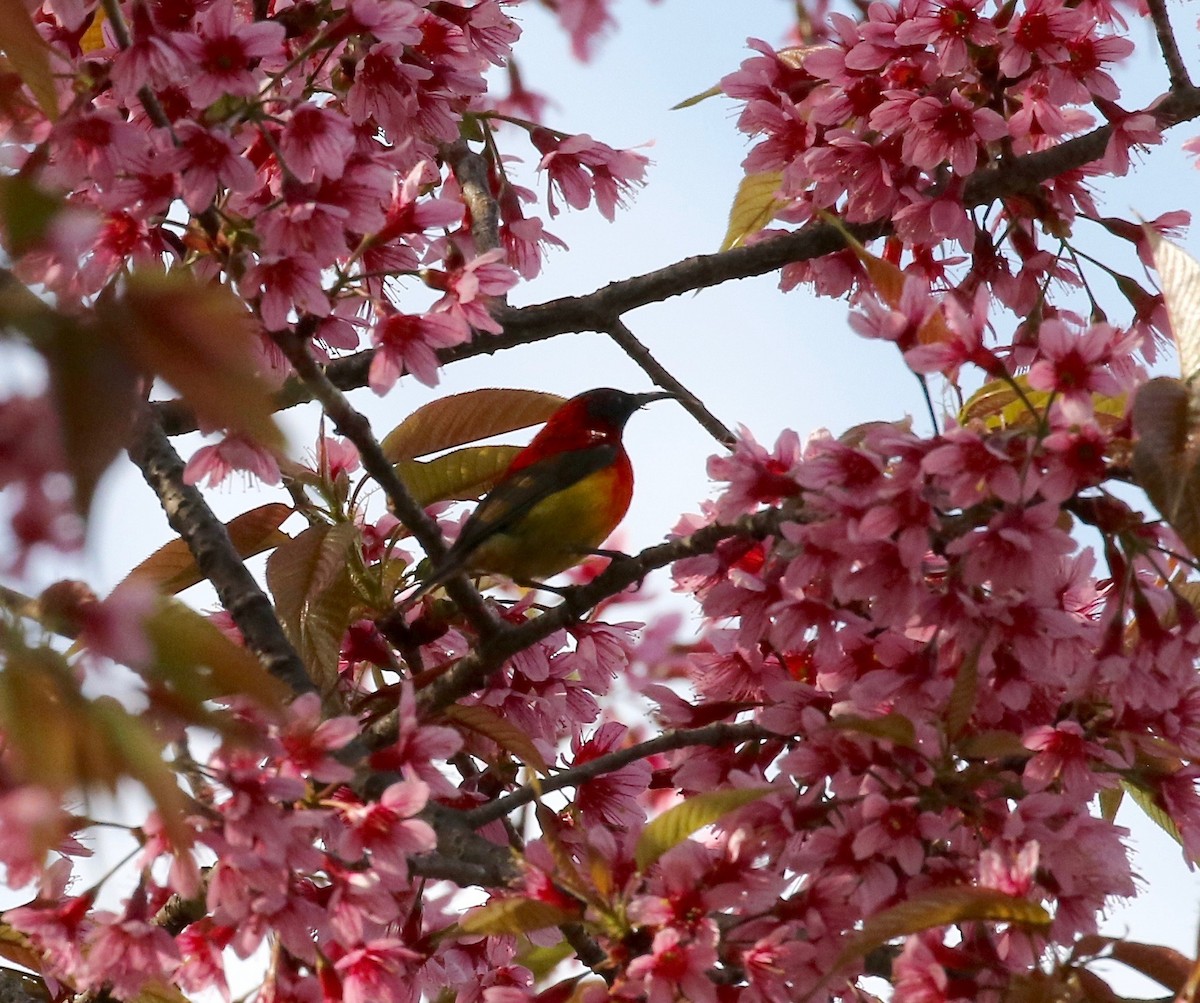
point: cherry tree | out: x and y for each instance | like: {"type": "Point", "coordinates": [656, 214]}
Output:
{"type": "Point", "coordinates": [931, 664]}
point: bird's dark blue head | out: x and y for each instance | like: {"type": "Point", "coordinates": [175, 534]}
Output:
{"type": "Point", "coordinates": [613, 408]}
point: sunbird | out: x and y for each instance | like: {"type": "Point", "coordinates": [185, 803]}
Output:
{"type": "Point", "coordinates": [559, 499]}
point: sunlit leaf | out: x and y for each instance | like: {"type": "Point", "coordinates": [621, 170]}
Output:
{"type": "Point", "coordinates": [515, 915]}
{"type": "Point", "coordinates": [1180, 275]}
{"type": "Point", "coordinates": [695, 99]}
{"type": "Point", "coordinates": [461, 475]}
{"type": "Point", "coordinates": [542, 960]}
{"type": "Point", "coordinates": [172, 568]}
{"type": "Point", "coordinates": [93, 38]}
{"type": "Point", "coordinates": [942, 907]}
{"type": "Point", "coordinates": [754, 206]}
{"type": "Point", "coordinates": [199, 338]}
{"type": "Point", "coordinates": [677, 823]}
{"type": "Point", "coordinates": [28, 53]}
{"type": "Point", "coordinates": [1166, 455]}
{"type": "Point", "coordinates": [1013, 404]}
{"type": "Point", "coordinates": [314, 594]}
{"type": "Point", "coordinates": [486, 722]}
{"type": "Point", "coordinates": [888, 281]}
{"type": "Point", "coordinates": [467, 417]}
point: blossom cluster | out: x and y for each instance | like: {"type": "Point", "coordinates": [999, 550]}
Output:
{"type": "Point", "coordinates": [303, 155]}
{"type": "Point", "coordinates": [955, 687]}
{"type": "Point", "coordinates": [919, 679]}
{"type": "Point", "coordinates": [888, 118]}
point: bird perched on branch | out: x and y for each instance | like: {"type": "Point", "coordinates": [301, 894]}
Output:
{"type": "Point", "coordinates": [559, 499]}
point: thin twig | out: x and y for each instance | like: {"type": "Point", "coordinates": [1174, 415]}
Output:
{"type": "Point", "coordinates": [355, 427]}
{"type": "Point", "coordinates": [639, 353]}
{"type": "Point", "coordinates": [218, 561]}
{"type": "Point", "coordinates": [1176, 69]}
{"type": "Point", "coordinates": [712, 734]}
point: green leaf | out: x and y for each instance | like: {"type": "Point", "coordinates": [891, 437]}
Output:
{"type": "Point", "coordinates": [964, 695]}
{"type": "Point", "coordinates": [26, 212]}
{"type": "Point", "coordinates": [1110, 802]}
{"type": "Point", "coordinates": [1180, 275]}
{"type": "Point", "coordinates": [486, 722]}
{"type": "Point", "coordinates": [172, 568]}
{"type": "Point", "coordinates": [468, 417]}
{"type": "Point", "coordinates": [516, 915]}
{"type": "Point", "coordinates": [1000, 406]}
{"type": "Point", "coordinates": [309, 578]}
{"type": "Point", "coordinates": [1147, 800]}
{"type": "Point", "coordinates": [754, 206]}
{"type": "Point", "coordinates": [893, 727]}
{"type": "Point", "coordinates": [677, 823]}
{"type": "Point", "coordinates": [197, 662]}
{"type": "Point", "coordinates": [462, 475]}
{"type": "Point", "coordinates": [542, 960]}
{"type": "Point", "coordinates": [941, 907]}
{"type": "Point", "coordinates": [695, 99]}
{"type": "Point", "coordinates": [199, 337]}
{"type": "Point", "coordinates": [29, 54]}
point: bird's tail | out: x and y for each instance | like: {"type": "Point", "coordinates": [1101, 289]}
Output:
{"type": "Point", "coordinates": [437, 577]}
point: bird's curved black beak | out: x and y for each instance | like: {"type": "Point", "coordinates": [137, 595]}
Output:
{"type": "Point", "coordinates": [649, 398]}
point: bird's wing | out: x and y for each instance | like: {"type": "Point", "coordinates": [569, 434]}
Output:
{"type": "Point", "coordinates": [509, 500]}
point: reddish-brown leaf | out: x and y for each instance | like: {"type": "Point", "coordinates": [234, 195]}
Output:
{"type": "Point", "coordinates": [468, 417]}
{"type": "Point", "coordinates": [172, 568]}
{"type": "Point", "coordinates": [199, 338]}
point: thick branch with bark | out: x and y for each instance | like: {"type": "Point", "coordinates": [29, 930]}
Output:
{"type": "Point", "coordinates": [208, 540]}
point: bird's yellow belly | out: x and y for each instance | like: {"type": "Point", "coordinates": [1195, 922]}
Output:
{"type": "Point", "coordinates": [557, 532]}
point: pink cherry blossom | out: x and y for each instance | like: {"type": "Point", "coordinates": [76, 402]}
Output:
{"type": "Point", "coordinates": [218, 461]}
{"type": "Point", "coordinates": [408, 343]}
{"type": "Point", "coordinates": [225, 52]}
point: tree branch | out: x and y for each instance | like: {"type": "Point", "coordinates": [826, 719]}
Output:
{"type": "Point", "coordinates": [474, 669]}
{"type": "Point", "coordinates": [594, 311]}
{"type": "Point", "coordinates": [1176, 69]}
{"type": "Point", "coordinates": [713, 734]}
{"type": "Point", "coordinates": [355, 427]}
{"type": "Point", "coordinates": [625, 338]}
{"type": "Point", "coordinates": [208, 540]}
{"type": "Point", "coordinates": [471, 172]}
